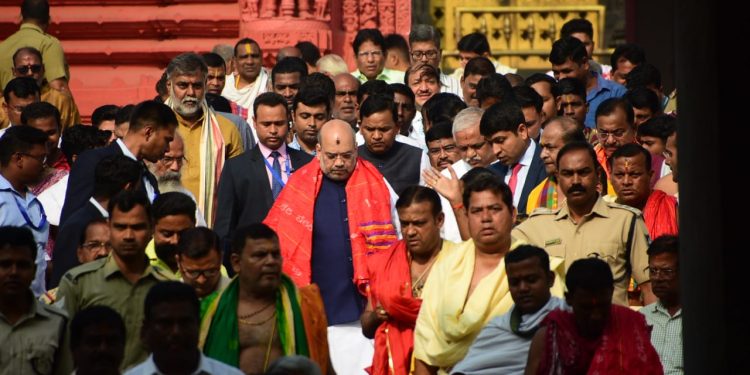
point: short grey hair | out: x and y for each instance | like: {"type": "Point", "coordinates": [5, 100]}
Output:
{"type": "Point", "coordinates": [225, 51]}
{"type": "Point", "coordinates": [186, 64]}
{"type": "Point", "coordinates": [467, 118]}
{"type": "Point", "coordinates": [424, 33]}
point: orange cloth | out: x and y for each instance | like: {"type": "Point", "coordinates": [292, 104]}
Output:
{"type": "Point", "coordinates": [390, 285]}
{"type": "Point", "coordinates": [660, 214]}
{"type": "Point", "coordinates": [369, 213]}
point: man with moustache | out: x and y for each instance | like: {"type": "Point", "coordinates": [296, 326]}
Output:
{"type": "Point", "coordinates": [173, 213]}
{"type": "Point", "coordinates": [441, 147]}
{"type": "Point", "coordinates": [122, 279]}
{"type": "Point", "coordinates": [587, 226]}
{"type": "Point", "coordinates": [210, 139]}
{"type": "Point", "coordinates": [397, 277]}
{"type": "Point", "coordinates": [261, 315]}
{"type": "Point", "coordinates": [475, 151]}
{"type": "Point", "coordinates": [631, 173]}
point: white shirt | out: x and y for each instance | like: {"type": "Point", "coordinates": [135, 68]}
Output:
{"type": "Point", "coordinates": [52, 200]}
{"type": "Point", "coordinates": [205, 366]}
{"type": "Point", "coordinates": [522, 173]}
{"type": "Point", "coordinates": [451, 85]}
{"type": "Point", "coordinates": [450, 230]}
{"type": "Point", "coordinates": [150, 190]}
{"type": "Point", "coordinates": [417, 131]}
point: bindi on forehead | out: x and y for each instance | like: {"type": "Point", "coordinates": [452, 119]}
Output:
{"type": "Point", "coordinates": [338, 140]}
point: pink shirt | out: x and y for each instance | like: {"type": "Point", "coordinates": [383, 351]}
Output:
{"type": "Point", "coordinates": [286, 164]}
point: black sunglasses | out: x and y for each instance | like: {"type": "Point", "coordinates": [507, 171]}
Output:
{"type": "Point", "coordinates": [24, 69]}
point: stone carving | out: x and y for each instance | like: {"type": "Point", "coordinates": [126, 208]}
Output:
{"type": "Point", "coordinates": [321, 10]}
{"type": "Point", "coordinates": [267, 8]}
{"type": "Point", "coordinates": [369, 14]}
{"type": "Point", "coordinates": [248, 10]}
{"type": "Point", "coordinates": [386, 13]}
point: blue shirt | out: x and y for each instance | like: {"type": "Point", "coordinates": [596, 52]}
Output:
{"type": "Point", "coordinates": [604, 90]}
{"type": "Point", "coordinates": [13, 207]}
{"type": "Point", "coordinates": [332, 267]}
{"type": "Point", "coordinates": [295, 145]}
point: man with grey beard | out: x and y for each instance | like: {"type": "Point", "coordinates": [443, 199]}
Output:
{"type": "Point", "coordinates": [168, 173]}
{"type": "Point", "coordinates": [210, 138]}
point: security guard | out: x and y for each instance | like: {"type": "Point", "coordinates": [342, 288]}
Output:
{"type": "Point", "coordinates": [31, 333]}
{"type": "Point", "coordinates": [122, 279]}
{"type": "Point", "coordinates": [587, 226]}
{"type": "Point", "coordinates": [33, 33]}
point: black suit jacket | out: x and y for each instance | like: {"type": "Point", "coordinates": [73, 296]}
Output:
{"type": "Point", "coordinates": [64, 254]}
{"type": "Point", "coordinates": [244, 193]}
{"type": "Point", "coordinates": [81, 182]}
{"type": "Point", "coordinates": [536, 175]}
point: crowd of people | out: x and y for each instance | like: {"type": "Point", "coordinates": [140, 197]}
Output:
{"type": "Point", "coordinates": [305, 219]}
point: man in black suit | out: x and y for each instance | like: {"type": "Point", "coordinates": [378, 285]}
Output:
{"type": "Point", "coordinates": [250, 182]}
{"type": "Point", "coordinates": [112, 174]}
{"type": "Point", "coordinates": [503, 124]}
{"type": "Point", "coordinates": [152, 127]}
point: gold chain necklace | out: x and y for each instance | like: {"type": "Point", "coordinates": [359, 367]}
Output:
{"type": "Point", "coordinates": [416, 286]}
{"type": "Point", "coordinates": [254, 313]}
{"type": "Point", "coordinates": [248, 323]}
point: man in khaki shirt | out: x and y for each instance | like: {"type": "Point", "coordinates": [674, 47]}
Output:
{"type": "Point", "coordinates": [28, 62]}
{"type": "Point", "coordinates": [209, 137]}
{"type": "Point", "coordinates": [31, 333]}
{"type": "Point", "coordinates": [586, 226]}
{"type": "Point", "coordinates": [122, 280]}
{"type": "Point", "coordinates": [33, 33]}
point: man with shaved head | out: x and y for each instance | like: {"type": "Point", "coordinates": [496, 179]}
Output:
{"type": "Point", "coordinates": [333, 213]}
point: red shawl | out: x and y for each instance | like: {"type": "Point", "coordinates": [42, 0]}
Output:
{"type": "Point", "coordinates": [624, 347]}
{"type": "Point", "coordinates": [390, 285]}
{"type": "Point", "coordinates": [369, 213]}
{"type": "Point", "coordinates": [660, 214]}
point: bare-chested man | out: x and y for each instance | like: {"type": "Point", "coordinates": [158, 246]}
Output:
{"type": "Point", "coordinates": [258, 317]}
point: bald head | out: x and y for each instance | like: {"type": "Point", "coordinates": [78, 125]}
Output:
{"type": "Point", "coordinates": [557, 133]}
{"type": "Point", "coordinates": [288, 52]}
{"type": "Point", "coordinates": [345, 105]}
{"type": "Point", "coordinates": [337, 150]}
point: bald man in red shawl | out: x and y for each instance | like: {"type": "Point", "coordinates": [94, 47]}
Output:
{"type": "Point", "coordinates": [396, 279]}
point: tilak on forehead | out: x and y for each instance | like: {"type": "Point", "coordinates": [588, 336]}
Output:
{"type": "Point", "coordinates": [338, 141]}
{"type": "Point", "coordinates": [248, 48]}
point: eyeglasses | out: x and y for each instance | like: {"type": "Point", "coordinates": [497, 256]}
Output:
{"type": "Point", "coordinates": [417, 55]}
{"type": "Point", "coordinates": [665, 273]}
{"type": "Point", "coordinates": [448, 149]}
{"type": "Point", "coordinates": [24, 69]}
{"type": "Point", "coordinates": [41, 158]}
{"type": "Point", "coordinates": [615, 134]}
{"type": "Point", "coordinates": [94, 245]}
{"type": "Point", "coordinates": [169, 160]}
{"type": "Point", "coordinates": [194, 274]}
{"type": "Point", "coordinates": [365, 54]}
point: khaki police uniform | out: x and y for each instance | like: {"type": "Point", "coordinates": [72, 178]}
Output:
{"type": "Point", "coordinates": [604, 233]}
{"type": "Point", "coordinates": [69, 114]}
{"type": "Point", "coordinates": [30, 35]}
{"type": "Point", "coordinates": [34, 344]}
{"type": "Point", "coordinates": [101, 283]}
